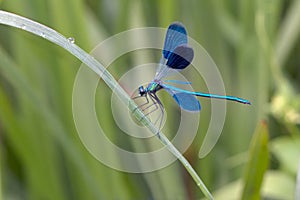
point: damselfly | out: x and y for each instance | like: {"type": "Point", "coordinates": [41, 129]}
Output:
{"type": "Point", "coordinates": [176, 56]}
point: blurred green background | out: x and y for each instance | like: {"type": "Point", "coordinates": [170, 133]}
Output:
{"type": "Point", "coordinates": [255, 44]}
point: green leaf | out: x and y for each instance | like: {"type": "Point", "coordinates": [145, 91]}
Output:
{"type": "Point", "coordinates": [257, 164]}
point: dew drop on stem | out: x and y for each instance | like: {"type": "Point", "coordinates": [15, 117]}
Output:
{"type": "Point", "coordinates": [43, 35]}
{"type": "Point", "coordinates": [71, 40]}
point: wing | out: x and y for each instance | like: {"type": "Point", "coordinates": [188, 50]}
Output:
{"type": "Point", "coordinates": [178, 60]}
{"type": "Point", "coordinates": [176, 35]}
{"type": "Point", "coordinates": [186, 101]}
{"type": "Point", "coordinates": [178, 82]}
{"type": "Point", "coordinates": [181, 57]}
{"type": "Point", "coordinates": [176, 53]}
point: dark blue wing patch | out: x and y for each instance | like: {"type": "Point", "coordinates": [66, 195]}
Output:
{"type": "Point", "coordinates": [187, 102]}
{"type": "Point", "coordinates": [176, 35]}
{"type": "Point", "coordinates": [181, 57]}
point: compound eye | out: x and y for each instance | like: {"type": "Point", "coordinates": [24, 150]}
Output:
{"type": "Point", "coordinates": [141, 90]}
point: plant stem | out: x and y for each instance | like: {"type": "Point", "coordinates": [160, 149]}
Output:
{"type": "Point", "coordinates": [55, 37]}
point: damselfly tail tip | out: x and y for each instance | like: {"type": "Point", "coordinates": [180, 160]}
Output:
{"type": "Point", "coordinates": [240, 100]}
{"type": "Point", "coordinates": [246, 102]}
{"type": "Point", "coordinates": [243, 101]}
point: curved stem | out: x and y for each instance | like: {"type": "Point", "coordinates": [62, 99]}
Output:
{"type": "Point", "coordinates": [55, 37]}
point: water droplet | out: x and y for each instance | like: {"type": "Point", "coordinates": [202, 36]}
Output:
{"type": "Point", "coordinates": [23, 26]}
{"type": "Point", "coordinates": [71, 40]}
{"type": "Point", "coordinates": [43, 35]}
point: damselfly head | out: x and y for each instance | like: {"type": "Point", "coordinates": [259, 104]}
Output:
{"type": "Point", "coordinates": [142, 91]}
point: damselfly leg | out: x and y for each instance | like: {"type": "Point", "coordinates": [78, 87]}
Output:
{"type": "Point", "coordinates": [152, 108]}
{"type": "Point", "coordinates": [159, 107]}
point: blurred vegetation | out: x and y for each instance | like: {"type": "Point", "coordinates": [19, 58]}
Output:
{"type": "Point", "coordinates": [254, 43]}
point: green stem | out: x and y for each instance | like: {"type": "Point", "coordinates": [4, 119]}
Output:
{"type": "Point", "coordinates": [55, 37]}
